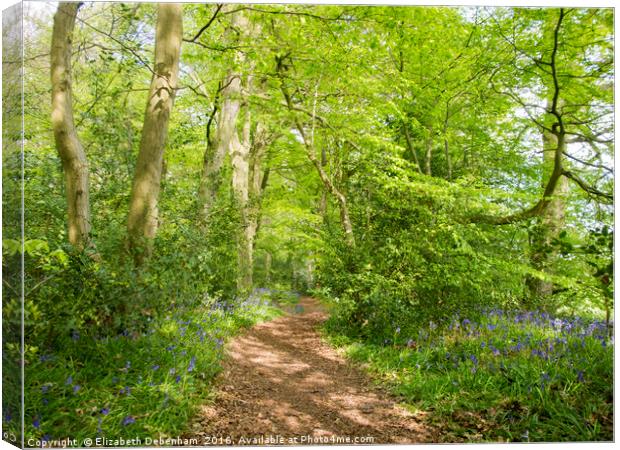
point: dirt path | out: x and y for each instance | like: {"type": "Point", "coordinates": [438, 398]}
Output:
{"type": "Point", "coordinates": [281, 382]}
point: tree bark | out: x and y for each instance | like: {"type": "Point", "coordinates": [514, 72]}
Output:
{"type": "Point", "coordinates": [550, 222]}
{"type": "Point", "coordinates": [143, 217]}
{"type": "Point", "coordinates": [70, 150]}
{"type": "Point", "coordinates": [217, 149]}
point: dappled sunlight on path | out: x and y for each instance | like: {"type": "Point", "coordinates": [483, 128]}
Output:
{"type": "Point", "coordinates": [281, 380]}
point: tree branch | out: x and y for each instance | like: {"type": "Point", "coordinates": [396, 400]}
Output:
{"type": "Point", "coordinates": [208, 24]}
{"type": "Point", "coordinates": [587, 188]}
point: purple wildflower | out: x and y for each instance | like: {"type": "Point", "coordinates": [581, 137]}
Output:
{"type": "Point", "coordinates": [192, 364]}
{"type": "Point", "coordinates": [36, 423]}
{"type": "Point", "coordinates": [128, 420]}
{"type": "Point", "coordinates": [105, 411]}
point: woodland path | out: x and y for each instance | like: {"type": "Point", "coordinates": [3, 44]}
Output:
{"type": "Point", "coordinates": [281, 381]}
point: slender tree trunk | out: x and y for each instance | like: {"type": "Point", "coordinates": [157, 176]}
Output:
{"type": "Point", "coordinates": [143, 217]}
{"type": "Point", "coordinates": [74, 162]}
{"type": "Point", "coordinates": [258, 181]}
{"type": "Point", "coordinates": [225, 136]}
{"type": "Point", "coordinates": [429, 152]}
{"type": "Point", "coordinates": [268, 259]}
{"type": "Point", "coordinates": [323, 199]}
{"type": "Point", "coordinates": [411, 148]}
{"type": "Point", "coordinates": [446, 145]}
{"type": "Point", "coordinates": [448, 157]}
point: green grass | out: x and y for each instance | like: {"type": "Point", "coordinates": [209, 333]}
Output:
{"type": "Point", "coordinates": [145, 385]}
{"type": "Point", "coordinates": [510, 377]}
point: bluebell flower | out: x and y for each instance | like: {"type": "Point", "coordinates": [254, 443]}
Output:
{"type": "Point", "coordinates": [76, 388]}
{"type": "Point", "coordinates": [178, 378]}
{"type": "Point", "coordinates": [105, 411]}
{"type": "Point", "coordinates": [155, 367]}
{"type": "Point", "coordinates": [192, 364]}
{"type": "Point", "coordinates": [170, 348]}
{"type": "Point", "coordinates": [69, 380]}
{"type": "Point", "coordinates": [580, 376]}
{"type": "Point", "coordinates": [36, 423]}
{"type": "Point", "coordinates": [45, 388]}
{"type": "Point", "coordinates": [128, 420]}
{"type": "Point", "coordinates": [46, 438]}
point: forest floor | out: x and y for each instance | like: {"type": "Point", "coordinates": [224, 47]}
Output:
{"type": "Point", "coordinates": [281, 384]}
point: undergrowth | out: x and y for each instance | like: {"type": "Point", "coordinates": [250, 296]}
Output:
{"type": "Point", "coordinates": [508, 376]}
{"type": "Point", "coordinates": [138, 384]}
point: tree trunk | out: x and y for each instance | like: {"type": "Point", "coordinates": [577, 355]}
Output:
{"type": "Point", "coordinates": [411, 148]}
{"type": "Point", "coordinates": [429, 152]}
{"type": "Point", "coordinates": [74, 162]}
{"type": "Point", "coordinates": [224, 137]}
{"type": "Point", "coordinates": [143, 218]}
{"type": "Point", "coordinates": [551, 219]}
{"type": "Point", "coordinates": [550, 223]}
{"type": "Point", "coordinates": [446, 145]}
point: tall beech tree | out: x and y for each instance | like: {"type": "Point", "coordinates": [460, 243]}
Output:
{"type": "Point", "coordinates": [68, 145]}
{"type": "Point", "coordinates": [143, 217]}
